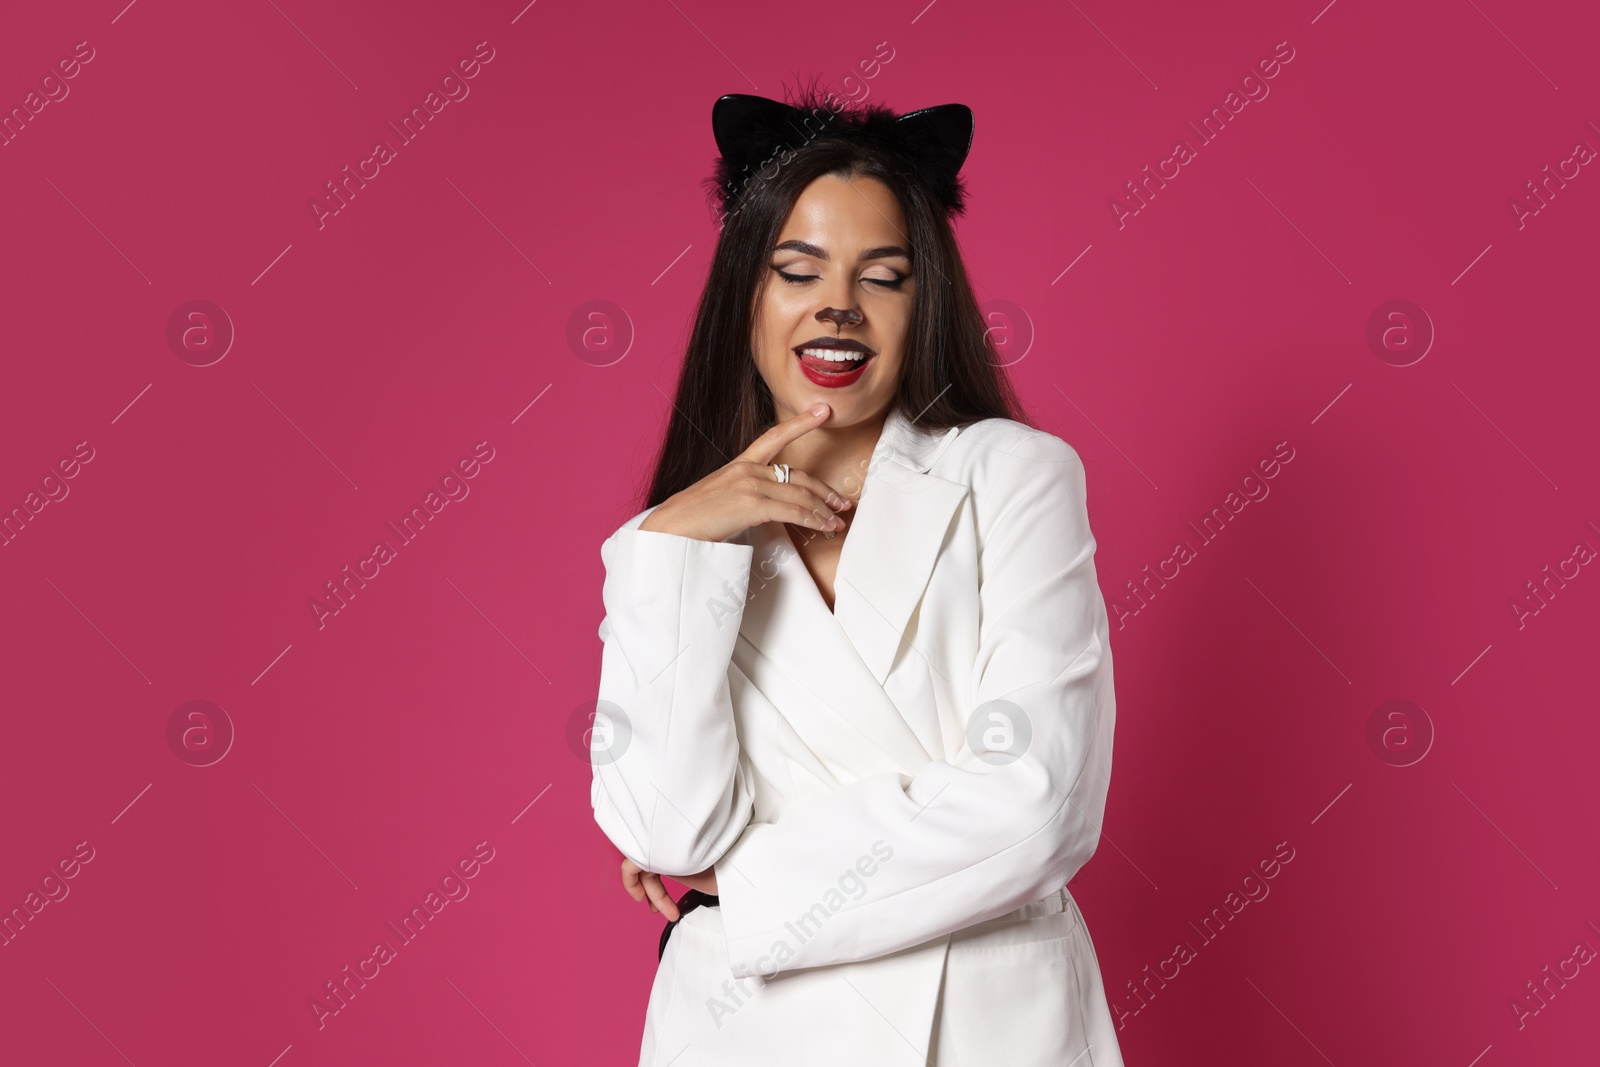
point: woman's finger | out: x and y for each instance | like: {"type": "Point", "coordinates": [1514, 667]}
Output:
{"type": "Point", "coordinates": [630, 879]}
{"type": "Point", "coordinates": [789, 502]}
{"type": "Point", "coordinates": [830, 496]}
{"type": "Point", "coordinates": [765, 449]}
{"type": "Point", "coordinates": [660, 899]}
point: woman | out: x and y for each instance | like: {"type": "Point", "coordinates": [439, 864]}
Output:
{"type": "Point", "coordinates": [856, 686]}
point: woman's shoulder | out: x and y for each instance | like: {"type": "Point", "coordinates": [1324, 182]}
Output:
{"type": "Point", "coordinates": [1005, 451]}
{"type": "Point", "coordinates": [1014, 472]}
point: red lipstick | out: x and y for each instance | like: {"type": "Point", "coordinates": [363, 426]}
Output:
{"type": "Point", "coordinates": [843, 369]}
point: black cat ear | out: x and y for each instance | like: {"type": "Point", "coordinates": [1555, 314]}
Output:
{"type": "Point", "coordinates": [941, 136]}
{"type": "Point", "coordinates": [939, 139]}
{"type": "Point", "coordinates": [749, 126]}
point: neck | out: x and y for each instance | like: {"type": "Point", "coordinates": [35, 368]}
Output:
{"type": "Point", "coordinates": [837, 455]}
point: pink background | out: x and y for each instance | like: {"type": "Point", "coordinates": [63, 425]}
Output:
{"type": "Point", "coordinates": [432, 712]}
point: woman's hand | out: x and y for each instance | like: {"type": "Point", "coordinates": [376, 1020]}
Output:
{"type": "Point", "coordinates": [744, 493]}
{"type": "Point", "coordinates": [642, 885]}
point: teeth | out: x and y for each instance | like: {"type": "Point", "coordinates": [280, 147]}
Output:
{"type": "Point", "coordinates": [833, 354]}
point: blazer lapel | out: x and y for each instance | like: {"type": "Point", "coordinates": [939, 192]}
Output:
{"type": "Point", "coordinates": [832, 665]}
{"type": "Point", "coordinates": [890, 552]}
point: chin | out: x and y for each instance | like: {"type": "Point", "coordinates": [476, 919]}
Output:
{"type": "Point", "coordinates": [845, 410]}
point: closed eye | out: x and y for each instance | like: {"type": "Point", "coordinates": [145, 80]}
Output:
{"type": "Point", "coordinates": [800, 279]}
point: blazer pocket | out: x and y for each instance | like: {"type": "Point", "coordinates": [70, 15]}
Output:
{"type": "Point", "coordinates": [1012, 993]}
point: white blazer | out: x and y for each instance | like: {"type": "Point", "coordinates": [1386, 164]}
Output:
{"type": "Point", "coordinates": [887, 893]}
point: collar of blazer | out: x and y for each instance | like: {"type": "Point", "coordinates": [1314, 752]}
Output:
{"type": "Point", "coordinates": [902, 518]}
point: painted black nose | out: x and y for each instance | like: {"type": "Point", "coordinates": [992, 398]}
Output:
{"type": "Point", "coordinates": [839, 318]}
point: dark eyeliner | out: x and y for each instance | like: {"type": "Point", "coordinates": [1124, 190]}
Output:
{"type": "Point", "coordinates": [799, 279]}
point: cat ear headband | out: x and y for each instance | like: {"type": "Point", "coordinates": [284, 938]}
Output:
{"type": "Point", "coordinates": [754, 134]}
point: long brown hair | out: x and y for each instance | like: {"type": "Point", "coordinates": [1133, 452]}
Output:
{"type": "Point", "coordinates": [722, 404]}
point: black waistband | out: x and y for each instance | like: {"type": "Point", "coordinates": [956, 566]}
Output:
{"type": "Point", "coordinates": [691, 900]}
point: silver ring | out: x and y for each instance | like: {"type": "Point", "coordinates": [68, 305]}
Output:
{"type": "Point", "coordinates": [781, 471]}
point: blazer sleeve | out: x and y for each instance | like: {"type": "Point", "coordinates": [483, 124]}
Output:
{"type": "Point", "coordinates": [965, 840]}
{"type": "Point", "coordinates": [668, 787]}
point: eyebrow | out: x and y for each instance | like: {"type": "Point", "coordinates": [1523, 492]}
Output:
{"type": "Point", "coordinates": [807, 248]}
